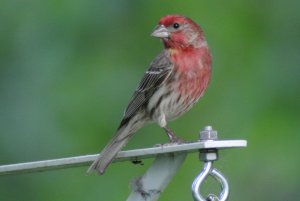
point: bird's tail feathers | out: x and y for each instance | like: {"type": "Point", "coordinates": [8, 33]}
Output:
{"type": "Point", "coordinates": [110, 150]}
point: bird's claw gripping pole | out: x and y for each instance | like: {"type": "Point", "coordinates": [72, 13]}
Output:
{"type": "Point", "coordinates": [209, 156]}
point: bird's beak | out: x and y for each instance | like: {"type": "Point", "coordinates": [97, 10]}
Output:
{"type": "Point", "coordinates": [160, 31]}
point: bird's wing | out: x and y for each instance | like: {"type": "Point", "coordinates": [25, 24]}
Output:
{"type": "Point", "coordinates": [158, 72]}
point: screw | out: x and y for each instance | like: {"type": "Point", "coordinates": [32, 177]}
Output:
{"type": "Point", "coordinates": [208, 134]}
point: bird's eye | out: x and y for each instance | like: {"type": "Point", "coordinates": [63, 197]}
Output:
{"type": "Point", "coordinates": [176, 25]}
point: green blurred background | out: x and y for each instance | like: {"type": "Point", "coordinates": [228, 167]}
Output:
{"type": "Point", "coordinates": [68, 69]}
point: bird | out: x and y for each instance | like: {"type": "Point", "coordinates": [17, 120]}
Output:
{"type": "Point", "coordinates": [174, 81]}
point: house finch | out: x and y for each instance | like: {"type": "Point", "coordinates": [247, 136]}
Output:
{"type": "Point", "coordinates": [173, 83]}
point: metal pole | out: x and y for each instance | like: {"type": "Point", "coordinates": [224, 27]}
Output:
{"type": "Point", "coordinates": [150, 186]}
{"type": "Point", "coordinates": [131, 155]}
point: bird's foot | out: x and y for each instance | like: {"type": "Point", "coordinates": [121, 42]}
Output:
{"type": "Point", "coordinates": [172, 137]}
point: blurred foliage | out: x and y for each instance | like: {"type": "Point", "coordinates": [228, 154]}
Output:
{"type": "Point", "coordinates": [68, 69]}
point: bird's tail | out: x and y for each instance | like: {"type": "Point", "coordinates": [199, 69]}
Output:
{"type": "Point", "coordinates": [109, 152]}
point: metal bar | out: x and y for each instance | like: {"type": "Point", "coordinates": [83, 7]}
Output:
{"type": "Point", "coordinates": [151, 185]}
{"type": "Point", "coordinates": [85, 160]}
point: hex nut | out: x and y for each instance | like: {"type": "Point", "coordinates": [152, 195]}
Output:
{"type": "Point", "coordinates": [208, 134]}
{"type": "Point", "coordinates": [208, 155]}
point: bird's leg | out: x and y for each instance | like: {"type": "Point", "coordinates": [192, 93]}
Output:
{"type": "Point", "coordinates": [172, 137]}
